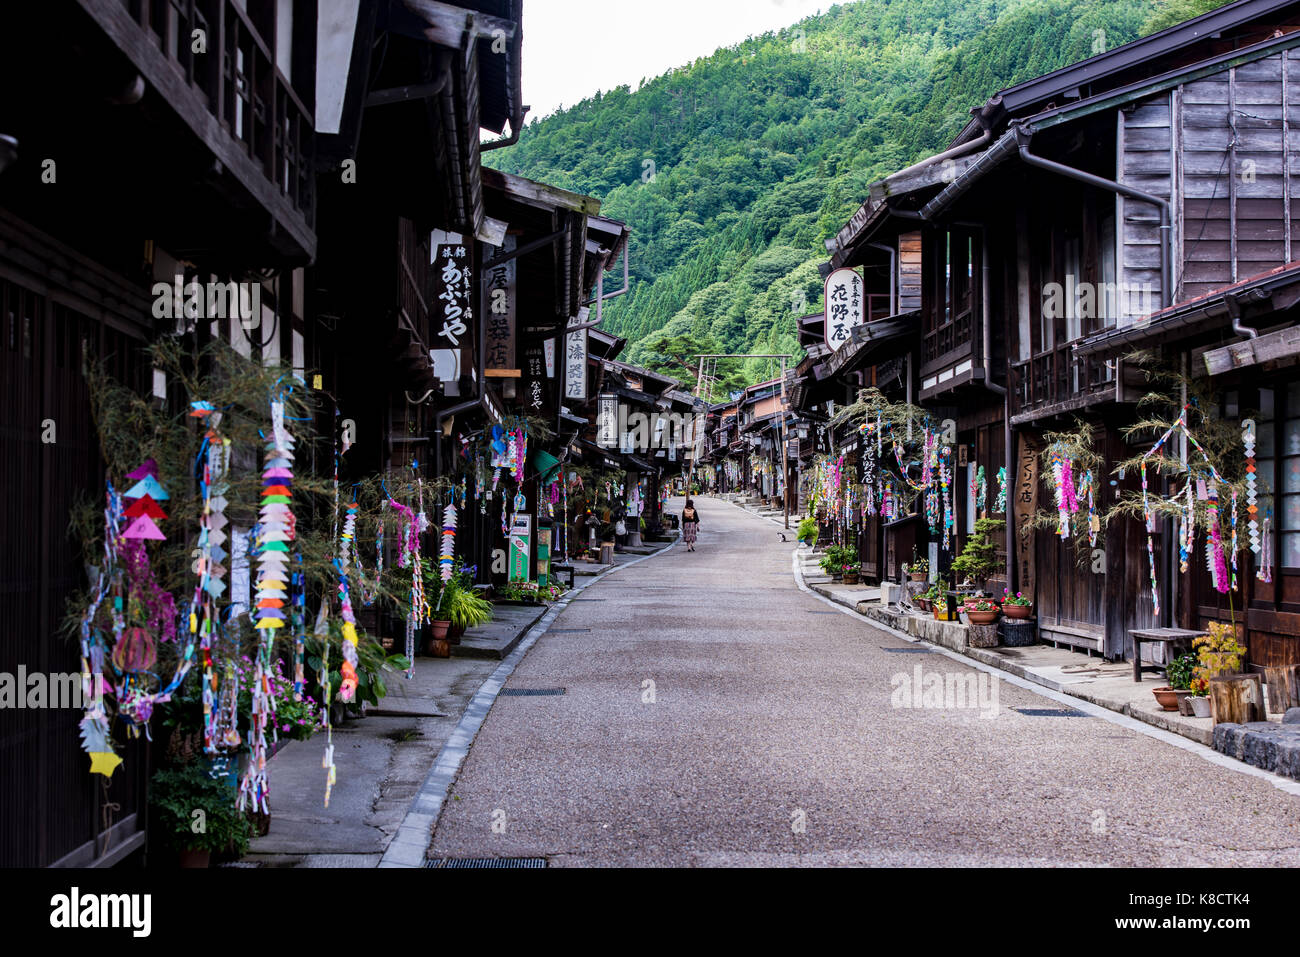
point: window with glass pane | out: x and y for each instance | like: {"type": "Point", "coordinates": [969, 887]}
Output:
{"type": "Point", "coordinates": [1277, 452]}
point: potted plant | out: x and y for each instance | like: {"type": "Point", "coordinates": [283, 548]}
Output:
{"type": "Point", "coordinates": [195, 814]}
{"type": "Point", "coordinates": [1180, 672]}
{"type": "Point", "coordinates": [851, 573]}
{"type": "Point", "coordinates": [940, 609]}
{"type": "Point", "coordinates": [1017, 606]}
{"type": "Point", "coordinates": [808, 531]}
{"type": "Point", "coordinates": [918, 569]}
{"type": "Point", "coordinates": [979, 559]}
{"type": "Point", "coordinates": [1218, 653]}
{"type": "Point", "coordinates": [464, 607]}
{"type": "Point", "coordinates": [982, 611]}
{"type": "Point", "coordinates": [1200, 698]}
{"type": "Point", "coordinates": [836, 557]}
{"type": "Point", "coordinates": [925, 600]}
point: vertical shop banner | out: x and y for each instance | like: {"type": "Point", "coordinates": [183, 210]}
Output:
{"type": "Point", "coordinates": [548, 347]}
{"type": "Point", "coordinates": [607, 436]}
{"type": "Point", "coordinates": [537, 395]}
{"type": "Point", "coordinates": [521, 545]}
{"type": "Point", "coordinates": [452, 281]}
{"type": "Point", "coordinates": [499, 343]}
{"type": "Point", "coordinates": [1023, 509]}
{"type": "Point", "coordinates": [845, 306]}
{"type": "Point", "coordinates": [575, 365]}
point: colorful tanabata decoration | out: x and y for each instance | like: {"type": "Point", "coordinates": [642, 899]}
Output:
{"type": "Point", "coordinates": [981, 490]}
{"type": "Point", "coordinates": [1215, 559]}
{"type": "Point", "coordinates": [96, 740]}
{"type": "Point", "coordinates": [1000, 506]}
{"type": "Point", "coordinates": [1087, 492]}
{"type": "Point", "coordinates": [1252, 491]}
{"type": "Point", "coordinates": [1061, 471]}
{"type": "Point", "coordinates": [275, 532]}
{"type": "Point", "coordinates": [1265, 571]}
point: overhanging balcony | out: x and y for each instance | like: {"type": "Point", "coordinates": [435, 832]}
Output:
{"type": "Point", "coordinates": [233, 98]}
{"type": "Point", "coordinates": [1058, 381]}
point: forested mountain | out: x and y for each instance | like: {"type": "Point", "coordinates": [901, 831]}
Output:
{"type": "Point", "coordinates": [733, 170]}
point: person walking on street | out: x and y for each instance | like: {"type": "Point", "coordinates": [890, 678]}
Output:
{"type": "Point", "coordinates": [690, 524]}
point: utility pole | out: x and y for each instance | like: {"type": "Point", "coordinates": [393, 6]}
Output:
{"type": "Point", "coordinates": [785, 453]}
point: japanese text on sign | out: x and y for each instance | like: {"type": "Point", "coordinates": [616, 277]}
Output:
{"type": "Point", "coordinates": [452, 278]}
{"type": "Point", "coordinates": [844, 306]}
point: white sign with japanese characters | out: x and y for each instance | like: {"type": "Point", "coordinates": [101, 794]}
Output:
{"type": "Point", "coordinates": [575, 365]}
{"type": "Point", "coordinates": [845, 306]}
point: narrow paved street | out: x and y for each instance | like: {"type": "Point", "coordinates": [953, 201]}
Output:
{"type": "Point", "coordinates": [770, 736]}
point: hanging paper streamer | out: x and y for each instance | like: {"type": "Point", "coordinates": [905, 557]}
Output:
{"type": "Point", "coordinates": [1265, 571]}
{"type": "Point", "coordinates": [1061, 468]}
{"type": "Point", "coordinates": [1215, 559]}
{"type": "Point", "coordinates": [447, 559]}
{"type": "Point", "coordinates": [1000, 507]}
{"type": "Point", "coordinates": [1252, 509]}
{"type": "Point", "coordinates": [274, 533]}
{"type": "Point", "coordinates": [1085, 491]}
{"type": "Point", "coordinates": [981, 490]}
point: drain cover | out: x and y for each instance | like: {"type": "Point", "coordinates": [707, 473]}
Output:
{"type": "Point", "coordinates": [1052, 712]}
{"type": "Point", "coordinates": [908, 651]}
{"type": "Point", "coordinates": [488, 862]}
{"type": "Point", "coordinates": [530, 692]}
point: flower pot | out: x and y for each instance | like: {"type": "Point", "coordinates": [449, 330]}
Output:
{"type": "Point", "coordinates": [193, 858]}
{"type": "Point", "coordinates": [1167, 697]}
{"type": "Point", "coordinates": [982, 617]}
{"type": "Point", "coordinates": [851, 579]}
{"type": "Point", "coordinates": [455, 633]}
{"type": "Point", "coordinates": [1200, 706]}
{"type": "Point", "coordinates": [1018, 611]}
{"type": "Point", "coordinates": [438, 645]}
{"type": "Point", "coordinates": [917, 576]}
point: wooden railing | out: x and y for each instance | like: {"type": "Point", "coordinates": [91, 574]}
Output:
{"type": "Point", "coordinates": [236, 76]}
{"type": "Point", "coordinates": [950, 337]}
{"type": "Point", "coordinates": [1058, 378]}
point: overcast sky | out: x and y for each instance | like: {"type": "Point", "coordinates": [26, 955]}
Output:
{"type": "Point", "coordinates": [633, 39]}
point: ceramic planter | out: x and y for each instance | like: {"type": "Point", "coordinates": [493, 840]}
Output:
{"type": "Point", "coordinates": [1167, 698]}
{"type": "Point", "coordinates": [1200, 706]}
{"type": "Point", "coordinates": [982, 617]}
{"type": "Point", "coordinates": [1018, 611]}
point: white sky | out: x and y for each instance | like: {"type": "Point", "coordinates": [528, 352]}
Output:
{"type": "Point", "coordinates": [634, 39]}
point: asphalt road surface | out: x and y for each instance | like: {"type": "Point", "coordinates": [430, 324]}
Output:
{"type": "Point", "coordinates": [713, 714]}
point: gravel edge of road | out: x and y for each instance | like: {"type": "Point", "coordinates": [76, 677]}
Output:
{"type": "Point", "coordinates": [410, 844]}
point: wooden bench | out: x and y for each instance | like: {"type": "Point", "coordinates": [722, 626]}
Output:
{"type": "Point", "coordinates": [1171, 638]}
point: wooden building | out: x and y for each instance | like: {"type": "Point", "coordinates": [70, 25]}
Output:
{"type": "Point", "coordinates": [1152, 208]}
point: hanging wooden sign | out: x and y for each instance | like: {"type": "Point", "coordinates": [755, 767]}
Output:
{"type": "Point", "coordinates": [1024, 507]}
{"type": "Point", "coordinates": [845, 306]}
{"type": "Point", "coordinates": [575, 365]}
{"type": "Point", "coordinates": [499, 342]}
{"type": "Point", "coordinates": [451, 278]}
